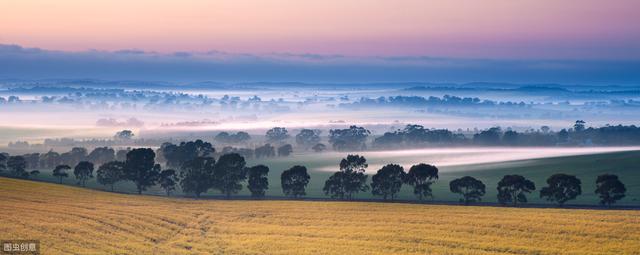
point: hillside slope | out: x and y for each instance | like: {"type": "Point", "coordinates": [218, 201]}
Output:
{"type": "Point", "coordinates": [73, 220]}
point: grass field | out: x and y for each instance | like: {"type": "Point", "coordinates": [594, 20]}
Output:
{"type": "Point", "coordinates": [586, 167]}
{"type": "Point", "coordinates": [82, 221]}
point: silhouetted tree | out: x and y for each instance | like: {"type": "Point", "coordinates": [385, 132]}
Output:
{"type": "Point", "coordinates": [258, 182]}
{"type": "Point", "coordinates": [545, 129]}
{"type": "Point", "coordinates": [610, 189]}
{"type": "Point", "coordinates": [168, 180]}
{"type": "Point", "coordinates": [308, 137]}
{"type": "Point", "coordinates": [222, 137]}
{"type": "Point", "coordinates": [124, 135]}
{"type": "Point", "coordinates": [101, 155]}
{"type": "Point", "coordinates": [83, 172]}
{"type": "Point", "coordinates": [176, 155]}
{"type": "Point", "coordinates": [265, 151]}
{"type": "Point", "coordinates": [334, 186]}
{"type": "Point", "coordinates": [61, 172]}
{"type": "Point", "coordinates": [510, 138]}
{"type": "Point", "coordinates": [229, 171]}
{"type": "Point", "coordinates": [110, 173]}
{"type": "Point", "coordinates": [415, 135]}
{"type": "Point", "coordinates": [563, 136]}
{"type": "Point", "coordinates": [561, 188]}
{"type": "Point", "coordinates": [239, 137]}
{"type": "Point", "coordinates": [50, 159]}
{"type": "Point", "coordinates": [32, 160]}
{"type": "Point", "coordinates": [488, 137]}
{"type": "Point", "coordinates": [353, 138]}
{"type": "Point", "coordinates": [512, 189]}
{"type": "Point", "coordinates": [349, 180]}
{"type": "Point", "coordinates": [294, 181]}
{"type": "Point", "coordinates": [17, 167]}
{"type": "Point", "coordinates": [579, 126]}
{"type": "Point", "coordinates": [197, 175]}
{"type": "Point", "coordinates": [319, 147]}
{"type": "Point", "coordinates": [421, 176]}
{"type": "Point", "coordinates": [387, 181]}
{"type": "Point", "coordinates": [3, 162]}
{"type": "Point", "coordinates": [74, 156]}
{"type": "Point", "coordinates": [277, 134]}
{"type": "Point", "coordinates": [470, 188]}
{"type": "Point", "coordinates": [285, 150]}
{"type": "Point", "coordinates": [140, 168]}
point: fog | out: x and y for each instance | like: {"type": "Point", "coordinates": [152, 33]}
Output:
{"type": "Point", "coordinates": [88, 109]}
{"type": "Point", "coordinates": [443, 157]}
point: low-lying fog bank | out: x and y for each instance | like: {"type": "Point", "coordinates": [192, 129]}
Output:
{"type": "Point", "coordinates": [453, 156]}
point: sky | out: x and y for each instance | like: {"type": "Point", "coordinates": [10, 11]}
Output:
{"type": "Point", "coordinates": [588, 41]}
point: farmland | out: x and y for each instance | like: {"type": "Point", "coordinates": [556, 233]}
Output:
{"type": "Point", "coordinates": [74, 220]}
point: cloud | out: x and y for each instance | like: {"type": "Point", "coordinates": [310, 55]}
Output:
{"type": "Point", "coordinates": [132, 64]}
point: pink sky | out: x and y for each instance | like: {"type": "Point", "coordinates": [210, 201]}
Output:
{"type": "Point", "coordinates": [452, 28]}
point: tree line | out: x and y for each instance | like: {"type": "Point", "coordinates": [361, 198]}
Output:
{"type": "Point", "coordinates": [357, 138]}
{"type": "Point", "coordinates": [200, 173]}
{"type": "Point", "coordinates": [577, 135]}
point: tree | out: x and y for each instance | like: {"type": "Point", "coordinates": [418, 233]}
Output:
{"type": "Point", "coordinates": [239, 137]}
{"type": "Point", "coordinates": [285, 150]}
{"type": "Point", "coordinates": [3, 164]}
{"type": "Point", "coordinates": [277, 134]}
{"type": "Point", "coordinates": [32, 160]}
{"type": "Point", "coordinates": [229, 171]}
{"type": "Point", "coordinates": [510, 138]}
{"type": "Point", "coordinates": [349, 180]}
{"type": "Point", "coordinates": [51, 159]}
{"type": "Point", "coordinates": [470, 188]}
{"type": "Point", "coordinates": [168, 180]}
{"type": "Point", "coordinates": [334, 186]}
{"type": "Point", "coordinates": [110, 173]}
{"type": "Point", "coordinates": [222, 137]}
{"type": "Point", "coordinates": [512, 189]}
{"type": "Point", "coordinates": [545, 129]}
{"type": "Point", "coordinates": [488, 137]}
{"type": "Point", "coordinates": [61, 172]}
{"type": "Point", "coordinates": [265, 151]}
{"type": "Point", "coordinates": [421, 176]}
{"type": "Point", "coordinates": [74, 156]}
{"type": "Point", "coordinates": [294, 181]}
{"type": "Point", "coordinates": [387, 181]}
{"type": "Point", "coordinates": [176, 155]}
{"type": "Point", "coordinates": [258, 181]}
{"type": "Point", "coordinates": [124, 135]}
{"type": "Point", "coordinates": [308, 137]}
{"type": "Point", "coordinates": [561, 188]}
{"type": "Point", "coordinates": [101, 155]}
{"type": "Point", "coordinates": [17, 166]}
{"type": "Point", "coordinates": [140, 168]}
{"type": "Point", "coordinates": [353, 138]}
{"type": "Point", "coordinates": [579, 126]}
{"type": "Point", "coordinates": [319, 147]}
{"type": "Point", "coordinates": [563, 136]}
{"type": "Point", "coordinates": [197, 175]}
{"type": "Point", "coordinates": [610, 189]}
{"type": "Point", "coordinates": [83, 172]}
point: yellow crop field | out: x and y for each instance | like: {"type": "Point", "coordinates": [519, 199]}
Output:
{"type": "Point", "coordinates": [73, 220]}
